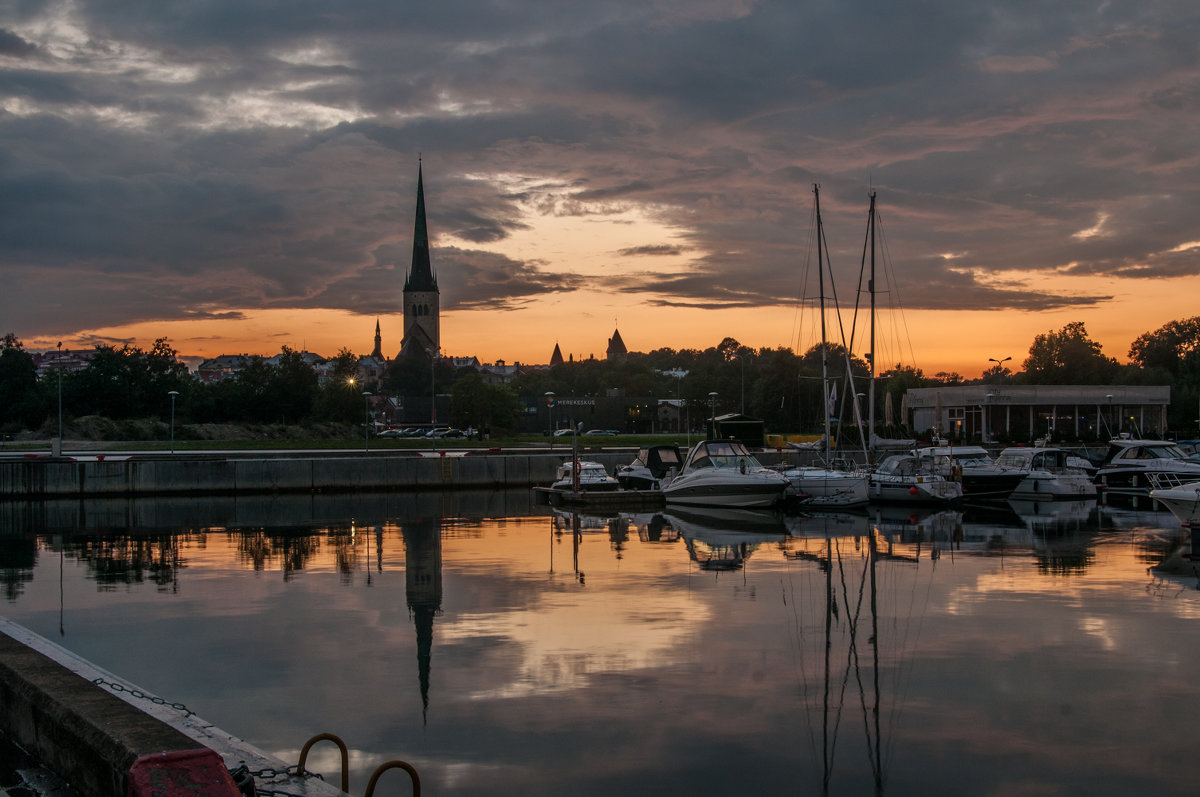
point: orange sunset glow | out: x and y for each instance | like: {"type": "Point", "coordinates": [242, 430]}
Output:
{"type": "Point", "coordinates": [624, 171]}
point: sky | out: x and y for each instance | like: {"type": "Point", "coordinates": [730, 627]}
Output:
{"type": "Point", "coordinates": [240, 175]}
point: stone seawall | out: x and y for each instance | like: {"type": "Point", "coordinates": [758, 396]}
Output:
{"type": "Point", "coordinates": [184, 474]}
{"type": "Point", "coordinates": [47, 477]}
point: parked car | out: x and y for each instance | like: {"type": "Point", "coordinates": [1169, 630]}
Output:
{"type": "Point", "coordinates": [600, 433]}
{"type": "Point", "coordinates": [438, 432]}
{"type": "Point", "coordinates": [563, 432]}
{"type": "Point", "coordinates": [391, 433]}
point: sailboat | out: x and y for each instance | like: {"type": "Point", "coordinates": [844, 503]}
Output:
{"type": "Point", "coordinates": [900, 478]}
{"type": "Point", "coordinates": [826, 485]}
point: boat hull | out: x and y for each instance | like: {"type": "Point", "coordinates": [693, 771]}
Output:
{"type": "Point", "coordinates": [915, 491]}
{"type": "Point", "coordinates": [732, 490]}
{"type": "Point", "coordinates": [1183, 502]}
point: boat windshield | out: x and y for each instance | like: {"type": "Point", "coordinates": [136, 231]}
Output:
{"type": "Point", "coordinates": [1013, 460]}
{"type": "Point", "coordinates": [722, 454]}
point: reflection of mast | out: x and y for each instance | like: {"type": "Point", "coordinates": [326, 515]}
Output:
{"type": "Point", "coordinates": [423, 591]}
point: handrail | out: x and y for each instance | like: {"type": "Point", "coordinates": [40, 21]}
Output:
{"type": "Point", "coordinates": [341, 746]}
{"type": "Point", "coordinates": [412, 773]}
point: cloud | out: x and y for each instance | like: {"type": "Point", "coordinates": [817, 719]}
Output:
{"type": "Point", "coordinates": [178, 160]}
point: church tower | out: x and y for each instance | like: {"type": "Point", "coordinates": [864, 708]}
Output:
{"type": "Point", "coordinates": [422, 299]}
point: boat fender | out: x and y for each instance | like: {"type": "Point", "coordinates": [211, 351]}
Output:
{"type": "Point", "coordinates": [912, 491]}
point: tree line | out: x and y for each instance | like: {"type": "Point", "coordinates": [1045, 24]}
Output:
{"type": "Point", "coordinates": [775, 384]}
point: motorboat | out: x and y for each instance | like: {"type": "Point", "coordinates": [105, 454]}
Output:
{"type": "Point", "coordinates": [835, 486]}
{"type": "Point", "coordinates": [903, 478]}
{"type": "Point", "coordinates": [650, 467]}
{"type": "Point", "coordinates": [583, 476]}
{"type": "Point", "coordinates": [1181, 499]}
{"type": "Point", "coordinates": [1046, 473]}
{"type": "Point", "coordinates": [725, 473]}
{"type": "Point", "coordinates": [1133, 467]}
{"type": "Point", "coordinates": [974, 467]}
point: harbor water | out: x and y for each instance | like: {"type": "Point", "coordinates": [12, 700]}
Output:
{"type": "Point", "coordinates": [506, 648]}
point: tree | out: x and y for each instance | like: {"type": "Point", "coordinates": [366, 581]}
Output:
{"type": "Point", "coordinates": [21, 403]}
{"type": "Point", "coordinates": [1068, 357]}
{"type": "Point", "coordinates": [1173, 351]}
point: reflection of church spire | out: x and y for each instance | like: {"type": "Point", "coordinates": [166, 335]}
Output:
{"type": "Point", "coordinates": [423, 591]}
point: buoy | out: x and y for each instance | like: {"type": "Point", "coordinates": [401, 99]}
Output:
{"type": "Point", "coordinates": [912, 491]}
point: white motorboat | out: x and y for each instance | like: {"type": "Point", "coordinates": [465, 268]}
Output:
{"type": "Point", "coordinates": [1046, 473]}
{"type": "Point", "coordinates": [971, 465]}
{"type": "Point", "coordinates": [901, 478]}
{"type": "Point", "coordinates": [1132, 467]}
{"type": "Point", "coordinates": [583, 476]}
{"type": "Point", "coordinates": [725, 473]}
{"type": "Point", "coordinates": [1181, 499]}
{"type": "Point", "coordinates": [650, 467]}
{"type": "Point", "coordinates": [827, 487]}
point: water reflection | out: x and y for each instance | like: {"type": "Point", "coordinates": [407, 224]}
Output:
{"type": "Point", "coordinates": [883, 651]}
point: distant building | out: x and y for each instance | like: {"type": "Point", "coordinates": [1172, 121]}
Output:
{"type": "Point", "coordinates": [616, 347]}
{"type": "Point", "coordinates": [221, 367]}
{"type": "Point", "coordinates": [422, 300]}
{"type": "Point", "coordinates": [1030, 412]}
{"type": "Point", "coordinates": [62, 360]}
{"type": "Point", "coordinates": [556, 358]}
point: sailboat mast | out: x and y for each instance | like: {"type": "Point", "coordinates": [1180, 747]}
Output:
{"type": "Point", "coordinates": [821, 284]}
{"type": "Point", "coordinates": [871, 290]}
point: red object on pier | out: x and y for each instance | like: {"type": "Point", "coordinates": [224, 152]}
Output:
{"type": "Point", "coordinates": [180, 773]}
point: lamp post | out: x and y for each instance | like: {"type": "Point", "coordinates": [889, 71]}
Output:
{"type": "Point", "coordinates": [712, 402]}
{"type": "Point", "coordinates": [433, 356]}
{"type": "Point", "coordinates": [742, 363]}
{"type": "Point", "coordinates": [172, 394]}
{"type": "Point", "coordinates": [550, 413]}
{"type": "Point", "coordinates": [58, 453]}
{"type": "Point", "coordinates": [987, 413]}
{"type": "Point", "coordinates": [366, 420]}
{"type": "Point", "coordinates": [999, 363]}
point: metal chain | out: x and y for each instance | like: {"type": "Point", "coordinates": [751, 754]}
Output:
{"type": "Point", "coordinates": [267, 774]}
{"type": "Point", "coordinates": [140, 695]}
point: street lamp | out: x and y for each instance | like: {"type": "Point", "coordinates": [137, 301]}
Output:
{"type": "Point", "coordinates": [999, 363]}
{"type": "Point", "coordinates": [712, 401]}
{"type": "Point", "coordinates": [742, 362]}
{"type": "Point", "coordinates": [173, 394]}
{"type": "Point", "coordinates": [550, 412]}
{"type": "Point", "coordinates": [433, 355]}
{"type": "Point", "coordinates": [987, 415]}
{"type": "Point", "coordinates": [366, 420]}
{"type": "Point", "coordinates": [58, 453]}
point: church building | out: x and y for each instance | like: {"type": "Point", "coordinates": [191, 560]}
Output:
{"type": "Point", "coordinates": [421, 296]}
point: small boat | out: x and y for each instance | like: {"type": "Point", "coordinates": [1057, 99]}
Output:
{"type": "Point", "coordinates": [1132, 467]}
{"type": "Point", "coordinates": [980, 476]}
{"type": "Point", "coordinates": [651, 465]}
{"type": "Point", "coordinates": [725, 473]}
{"type": "Point", "coordinates": [837, 486]}
{"type": "Point", "coordinates": [901, 478]}
{"type": "Point", "coordinates": [580, 476]}
{"type": "Point", "coordinates": [1046, 473]}
{"type": "Point", "coordinates": [1181, 499]}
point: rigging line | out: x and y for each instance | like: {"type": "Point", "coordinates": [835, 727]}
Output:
{"type": "Point", "coordinates": [862, 268]}
{"type": "Point", "coordinates": [893, 288]}
{"type": "Point", "coordinates": [852, 660]}
{"type": "Point", "coordinates": [797, 633]}
{"type": "Point", "coordinates": [798, 315]}
{"type": "Point", "coordinates": [903, 676]}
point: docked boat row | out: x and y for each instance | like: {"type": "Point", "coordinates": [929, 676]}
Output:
{"type": "Point", "coordinates": [726, 473]}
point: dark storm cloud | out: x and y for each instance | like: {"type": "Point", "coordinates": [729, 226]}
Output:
{"type": "Point", "coordinates": [165, 160]}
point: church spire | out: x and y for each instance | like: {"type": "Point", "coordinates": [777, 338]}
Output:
{"type": "Point", "coordinates": [556, 358]}
{"type": "Point", "coordinates": [378, 352]}
{"type": "Point", "coordinates": [420, 274]}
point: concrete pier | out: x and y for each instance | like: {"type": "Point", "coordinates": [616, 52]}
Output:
{"type": "Point", "coordinates": [94, 730]}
